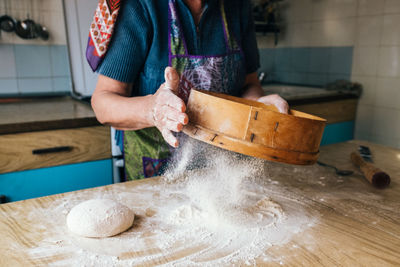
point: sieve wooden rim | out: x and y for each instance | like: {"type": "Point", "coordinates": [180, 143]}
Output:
{"type": "Point", "coordinates": [254, 129]}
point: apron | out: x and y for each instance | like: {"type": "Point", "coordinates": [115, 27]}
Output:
{"type": "Point", "coordinates": [146, 152]}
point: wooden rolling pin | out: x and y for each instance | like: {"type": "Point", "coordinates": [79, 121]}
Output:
{"type": "Point", "coordinates": [374, 175]}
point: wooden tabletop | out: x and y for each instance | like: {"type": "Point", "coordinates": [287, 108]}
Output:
{"type": "Point", "coordinates": [39, 114]}
{"type": "Point", "coordinates": [357, 224]}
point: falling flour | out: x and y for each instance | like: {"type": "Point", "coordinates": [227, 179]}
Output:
{"type": "Point", "coordinates": [213, 208]}
{"type": "Point", "coordinates": [217, 193]}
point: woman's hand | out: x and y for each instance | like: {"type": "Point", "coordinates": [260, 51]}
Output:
{"type": "Point", "coordinates": [168, 110]}
{"type": "Point", "coordinates": [254, 91]}
{"type": "Point", "coordinates": [277, 101]}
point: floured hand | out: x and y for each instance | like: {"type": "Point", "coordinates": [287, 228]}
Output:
{"type": "Point", "coordinates": [277, 101]}
{"type": "Point", "coordinates": [168, 112]}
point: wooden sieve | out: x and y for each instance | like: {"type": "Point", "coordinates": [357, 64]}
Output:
{"type": "Point", "coordinates": [253, 128]}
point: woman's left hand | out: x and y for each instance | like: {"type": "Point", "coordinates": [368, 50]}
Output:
{"type": "Point", "coordinates": [277, 101]}
{"type": "Point", "coordinates": [255, 92]}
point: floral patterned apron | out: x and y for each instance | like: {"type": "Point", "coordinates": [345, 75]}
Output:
{"type": "Point", "coordinates": [146, 153]}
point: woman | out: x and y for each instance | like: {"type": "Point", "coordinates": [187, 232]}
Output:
{"type": "Point", "coordinates": [161, 49]}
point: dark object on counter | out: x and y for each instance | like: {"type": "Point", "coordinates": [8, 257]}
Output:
{"type": "Point", "coordinates": [338, 172]}
{"type": "Point", "coordinates": [3, 199]}
{"type": "Point", "coordinates": [365, 153]}
{"type": "Point", "coordinates": [7, 23]}
{"type": "Point", "coordinates": [26, 29]}
{"type": "Point", "coordinates": [345, 86]}
{"type": "Point", "coordinates": [374, 175]}
{"type": "Point", "coordinates": [42, 32]}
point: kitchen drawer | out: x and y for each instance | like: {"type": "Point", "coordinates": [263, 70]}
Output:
{"type": "Point", "coordinates": [26, 151]}
{"type": "Point", "coordinates": [53, 180]}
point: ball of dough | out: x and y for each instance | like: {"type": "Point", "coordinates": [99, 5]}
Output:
{"type": "Point", "coordinates": [99, 218]}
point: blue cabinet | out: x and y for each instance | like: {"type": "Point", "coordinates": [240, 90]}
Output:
{"type": "Point", "coordinates": [338, 132]}
{"type": "Point", "coordinates": [53, 180]}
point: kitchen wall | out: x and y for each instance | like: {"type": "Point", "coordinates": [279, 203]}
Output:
{"type": "Point", "coordinates": [34, 66]}
{"type": "Point", "coordinates": [352, 39]}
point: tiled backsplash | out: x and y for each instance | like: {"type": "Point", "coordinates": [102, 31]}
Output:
{"type": "Point", "coordinates": [34, 66]}
{"type": "Point", "coordinates": [315, 66]}
{"type": "Point", "coordinates": [31, 69]}
{"type": "Point", "coordinates": [48, 13]}
{"type": "Point", "coordinates": [364, 35]}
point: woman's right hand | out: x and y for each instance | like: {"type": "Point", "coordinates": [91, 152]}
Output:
{"type": "Point", "coordinates": [168, 110]}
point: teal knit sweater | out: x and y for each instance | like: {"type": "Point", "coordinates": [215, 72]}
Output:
{"type": "Point", "coordinates": [138, 52]}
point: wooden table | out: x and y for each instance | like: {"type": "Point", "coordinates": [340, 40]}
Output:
{"type": "Point", "coordinates": [357, 225]}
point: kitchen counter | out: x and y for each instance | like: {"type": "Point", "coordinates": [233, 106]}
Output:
{"type": "Point", "coordinates": [297, 95]}
{"type": "Point", "coordinates": [355, 224]}
{"type": "Point", "coordinates": [40, 114]}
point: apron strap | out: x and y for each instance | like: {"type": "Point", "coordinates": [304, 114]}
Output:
{"type": "Point", "coordinates": [231, 44]}
{"type": "Point", "coordinates": [176, 41]}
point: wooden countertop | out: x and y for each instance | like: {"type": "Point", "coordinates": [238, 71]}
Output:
{"type": "Point", "coordinates": [44, 114]}
{"type": "Point", "coordinates": [357, 224]}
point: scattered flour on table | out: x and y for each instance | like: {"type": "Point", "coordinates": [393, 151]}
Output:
{"type": "Point", "coordinates": [216, 212]}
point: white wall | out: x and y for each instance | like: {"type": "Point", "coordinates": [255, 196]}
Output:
{"type": "Point", "coordinates": [316, 23]}
{"type": "Point", "coordinates": [377, 66]}
{"type": "Point", "coordinates": [372, 28]}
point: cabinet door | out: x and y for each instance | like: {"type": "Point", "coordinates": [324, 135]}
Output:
{"type": "Point", "coordinates": [47, 181]}
{"type": "Point", "coordinates": [338, 132]}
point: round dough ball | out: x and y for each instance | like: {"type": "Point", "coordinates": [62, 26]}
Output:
{"type": "Point", "coordinates": [99, 218]}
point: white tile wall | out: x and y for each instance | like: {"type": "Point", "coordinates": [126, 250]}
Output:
{"type": "Point", "coordinates": [392, 6]}
{"type": "Point", "coordinates": [391, 29]}
{"type": "Point", "coordinates": [299, 11]}
{"type": "Point", "coordinates": [370, 7]}
{"type": "Point", "coordinates": [372, 27]}
{"type": "Point", "coordinates": [364, 120]}
{"type": "Point", "coordinates": [386, 123]}
{"type": "Point", "coordinates": [341, 32]}
{"type": "Point", "coordinates": [341, 9]}
{"type": "Point", "coordinates": [389, 61]}
{"type": "Point", "coordinates": [369, 93]}
{"type": "Point", "coordinates": [319, 34]}
{"type": "Point", "coordinates": [365, 60]}
{"type": "Point", "coordinates": [389, 93]}
{"type": "Point", "coordinates": [301, 34]}
{"type": "Point", "coordinates": [369, 30]}
{"type": "Point", "coordinates": [319, 10]}
{"type": "Point", "coordinates": [377, 58]}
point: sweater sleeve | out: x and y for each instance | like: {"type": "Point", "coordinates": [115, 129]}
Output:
{"type": "Point", "coordinates": [249, 41]}
{"type": "Point", "coordinates": [129, 45]}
